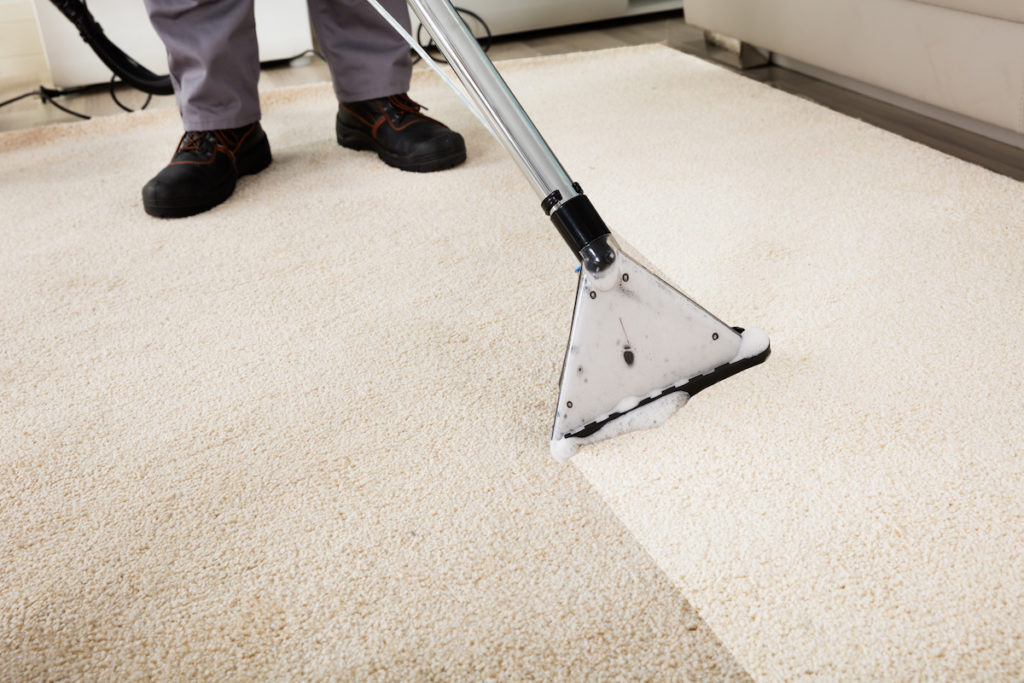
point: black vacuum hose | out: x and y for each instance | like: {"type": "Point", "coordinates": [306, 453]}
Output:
{"type": "Point", "coordinates": [126, 68]}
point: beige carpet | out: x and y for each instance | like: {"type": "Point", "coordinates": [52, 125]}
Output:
{"type": "Point", "coordinates": [305, 434]}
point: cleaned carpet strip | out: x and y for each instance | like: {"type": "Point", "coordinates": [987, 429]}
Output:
{"type": "Point", "coordinates": [854, 508]}
{"type": "Point", "coordinates": [305, 435]}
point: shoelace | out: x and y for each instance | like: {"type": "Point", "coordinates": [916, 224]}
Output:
{"type": "Point", "coordinates": [207, 141]}
{"type": "Point", "coordinates": [228, 138]}
{"type": "Point", "coordinates": [195, 140]}
{"type": "Point", "coordinates": [401, 106]}
{"type": "Point", "coordinates": [406, 103]}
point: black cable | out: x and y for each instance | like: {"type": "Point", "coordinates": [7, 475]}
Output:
{"type": "Point", "coordinates": [19, 97]}
{"type": "Point", "coordinates": [116, 60]}
{"type": "Point", "coordinates": [47, 95]}
{"type": "Point", "coordinates": [113, 96]}
{"type": "Point", "coordinates": [430, 45]}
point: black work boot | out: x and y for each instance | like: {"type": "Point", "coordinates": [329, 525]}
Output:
{"type": "Point", "coordinates": [204, 169]}
{"type": "Point", "coordinates": [402, 136]}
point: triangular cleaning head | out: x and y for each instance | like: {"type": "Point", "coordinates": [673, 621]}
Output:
{"type": "Point", "coordinates": [637, 351]}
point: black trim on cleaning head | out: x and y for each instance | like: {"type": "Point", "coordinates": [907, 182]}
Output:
{"type": "Point", "coordinates": [690, 387]}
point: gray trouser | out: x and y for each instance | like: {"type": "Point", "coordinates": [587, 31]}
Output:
{"type": "Point", "coordinates": [214, 59]}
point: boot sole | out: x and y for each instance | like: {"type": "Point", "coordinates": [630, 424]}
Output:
{"type": "Point", "coordinates": [257, 159]}
{"type": "Point", "coordinates": [351, 138]}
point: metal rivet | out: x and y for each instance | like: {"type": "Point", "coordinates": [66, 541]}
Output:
{"type": "Point", "coordinates": [625, 277]}
{"type": "Point", "coordinates": [568, 404]}
{"type": "Point", "coordinates": [593, 295]}
{"type": "Point", "coordinates": [714, 336]}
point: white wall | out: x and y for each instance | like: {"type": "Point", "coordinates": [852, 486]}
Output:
{"type": "Point", "coordinates": [282, 28]}
{"type": "Point", "coordinates": [22, 62]}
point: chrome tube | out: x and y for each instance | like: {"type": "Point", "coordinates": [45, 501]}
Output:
{"type": "Point", "coordinates": [492, 96]}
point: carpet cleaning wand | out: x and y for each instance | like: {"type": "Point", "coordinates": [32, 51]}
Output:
{"type": "Point", "coordinates": [638, 348]}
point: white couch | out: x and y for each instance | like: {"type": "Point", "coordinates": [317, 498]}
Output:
{"type": "Point", "coordinates": [961, 61]}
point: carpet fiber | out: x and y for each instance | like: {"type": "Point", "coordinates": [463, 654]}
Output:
{"type": "Point", "coordinates": [306, 433]}
{"type": "Point", "coordinates": [303, 435]}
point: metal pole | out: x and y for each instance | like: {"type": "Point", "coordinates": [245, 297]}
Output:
{"type": "Point", "coordinates": [493, 97]}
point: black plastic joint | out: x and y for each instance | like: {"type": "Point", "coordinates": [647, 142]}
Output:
{"type": "Point", "coordinates": [550, 202]}
{"type": "Point", "coordinates": [578, 223]}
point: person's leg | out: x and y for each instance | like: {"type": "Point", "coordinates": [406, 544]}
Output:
{"type": "Point", "coordinates": [367, 58]}
{"type": "Point", "coordinates": [371, 68]}
{"type": "Point", "coordinates": [214, 65]}
{"type": "Point", "coordinates": [213, 58]}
